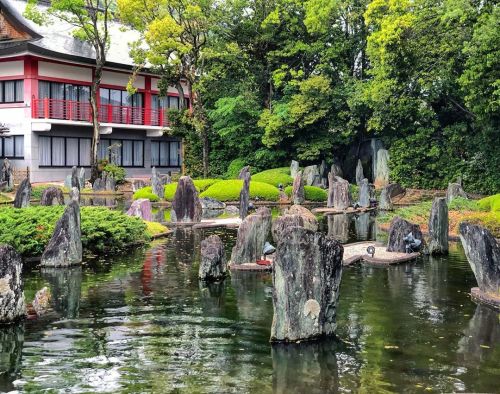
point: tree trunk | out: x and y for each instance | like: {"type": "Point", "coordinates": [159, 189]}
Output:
{"type": "Point", "coordinates": [94, 91]}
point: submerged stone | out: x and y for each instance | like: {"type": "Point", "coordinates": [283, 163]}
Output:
{"type": "Point", "coordinates": [213, 265]}
{"type": "Point", "coordinates": [438, 227]}
{"type": "Point", "coordinates": [12, 305]}
{"type": "Point", "coordinates": [52, 196]}
{"type": "Point", "coordinates": [186, 205]}
{"type": "Point", "coordinates": [399, 229]}
{"type": "Point", "coordinates": [141, 208]}
{"type": "Point", "coordinates": [298, 192]}
{"type": "Point", "coordinates": [23, 194]}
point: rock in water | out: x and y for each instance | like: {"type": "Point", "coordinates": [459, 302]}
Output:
{"type": "Point", "coordinates": [311, 176]}
{"type": "Point", "coordinates": [364, 194]}
{"type": "Point", "coordinates": [141, 208]}
{"type": "Point", "coordinates": [341, 196]}
{"type": "Point", "coordinates": [399, 229]}
{"type": "Point", "coordinates": [211, 203]}
{"type": "Point", "coordinates": [394, 189]}
{"type": "Point", "coordinates": [186, 206]}
{"type": "Point", "coordinates": [252, 236]}
{"type": "Point", "coordinates": [359, 173]}
{"type": "Point", "coordinates": [12, 305]}
{"type": "Point", "coordinates": [245, 192]}
{"type": "Point", "coordinates": [306, 277]}
{"type": "Point", "coordinates": [41, 303]}
{"type": "Point", "coordinates": [52, 196]}
{"type": "Point", "coordinates": [65, 246]}
{"type": "Point", "coordinates": [382, 168]}
{"type": "Point", "coordinates": [483, 253]}
{"type": "Point", "coordinates": [298, 192]}
{"type": "Point", "coordinates": [294, 169]}
{"type": "Point", "coordinates": [23, 194]}
{"type": "Point", "coordinates": [385, 202]}
{"type": "Point", "coordinates": [156, 184]}
{"type": "Point", "coordinates": [454, 190]}
{"type": "Point", "coordinates": [213, 262]}
{"type": "Point", "coordinates": [297, 215]}
{"type": "Point", "coordinates": [438, 227]}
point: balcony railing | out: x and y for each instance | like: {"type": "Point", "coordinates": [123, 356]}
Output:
{"type": "Point", "coordinates": [82, 112]}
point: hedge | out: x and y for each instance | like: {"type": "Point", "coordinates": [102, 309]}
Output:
{"type": "Point", "coordinates": [230, 191]}
{"type": "Point", "coordinates": [312, 193]}
{"type": "Point", "coordinates": [274, 176]}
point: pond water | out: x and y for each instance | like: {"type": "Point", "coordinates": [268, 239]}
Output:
{"type": "Point", "coordinates": [143, 323]}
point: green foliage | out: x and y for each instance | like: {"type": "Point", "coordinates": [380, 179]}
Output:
{"type": "Point", "coordinates": [275, 176]}
{"type": "Point", "coordinates": [230, 191]}
{"type": "Point", "coordinates": [29, 230]}
{"type": "Point", "coordinates": [491, 203]}
{"type": "Point", "coordinates": [145, 192]}
{"type": "Point", "coordinates": [312, 193]}
{"type": "Point", "coordinates": [234, 168]}
{"type": "Point", "coordinates": [354, 190]}
{"type": "Point", "coordinates": [117, 172]}
{"type": "Point", "coordinates": [155, 228]}
{"type": "Point", "coordinates": [200, 185]}
{"type": "Point", "coordinates": [463, 204]}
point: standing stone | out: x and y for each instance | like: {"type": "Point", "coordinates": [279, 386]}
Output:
{"type": "Point", "coordinates": [105, 183]}
{"type": "Point", "coordinates": [454, 190]}
{"type": "Point", "coordinates": [52, 196]}
{"type": "Point", "coordinates": [141, 208]}
{"type": "Point", "coordinates": [138, 184]}
{"type": "Point", "coordinates": [359, 173]}
{"type": "Point", "coordinates": [298, 192]}
{"type": "Point", "coordinates": [75, 181]}
{"type": "Point", "coordinates": [294, 169]}
{"type": "Point", "coordinates": [81, 178]}
{"type": "Point", "coordinates": [483, 253]}
{"type": "Point", "coordinates": [12, 305]}
{"type": "Point", "coordinates": [213, 265]}
{"type": "Point", "coordinates": [331, 181]}
{"type": "Point", "coordinates": [385, 202]}
{"type": "Point", "coordinates": [323, 174]}
{"type": "Point", "coordinates": [41, 303]}
{"type": "Point", "coordinates": [438, 227]}
{"type": "Point", "coordinates": [23, 194]}
{"type": "Point", "coordinates": [336, 170]}
{"type": "Point", "coordinates": [311, 176]}
{"type": "Point", "coordinates": [341, 195]}
{"type": "Point", "coordinates": [110, 183]}
{"type": "Point", "coordinates": [375, 146]}
{"type": "Point", "coordinates": [245, 191]}
{"type": "Point", "coordinates": [156, 184]}
{"type": "Point", "coordinates": [364, 194]}
{"type": "Point", "coordinates": [166, 179]}
{"type": "Point", "coordinates": [65, 246]}
{"type": "Point", "coordinates": [297, 215]}
{"type": "Point", "coordinates": [7, 175]}
{"type": "Point", "coordinates": [186, 206]}
{"type": "Point", "coordinates": [306, 277]}
{"type": "Point", "coordinates": [252, 235]}
{"type": "Point", "coordinates": [399, 229]}
{"type": "Point", "coordinates": [382, 169]}
{"type": "Point", "coordinates": [394, 189]}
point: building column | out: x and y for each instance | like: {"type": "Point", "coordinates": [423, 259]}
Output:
{"type": "Point", "coordinates": [147, 100]}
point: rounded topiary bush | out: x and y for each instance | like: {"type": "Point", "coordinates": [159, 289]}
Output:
{"type": "Point", "coordinates": [145, 192]}
{"type": "Point", "coordinates": [230, 191]}
{"type": "Point", "coordinates": [312, 193]}
{"type": "Point", "coordinates": [491, 203]}
{"type": "Point", "coordinates": [274, 176]}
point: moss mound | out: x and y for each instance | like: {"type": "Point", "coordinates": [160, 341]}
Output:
{"type": "Point", "coordinates": [312, 193]}
{"type": "Point", "coordinates": [145, 192]}
{"type": "Point", "coordinates": [230, 191]}
{"type": "Point", "coordinates": [491, 203]}
{"type": "Point", "coordinates": [274, 176]}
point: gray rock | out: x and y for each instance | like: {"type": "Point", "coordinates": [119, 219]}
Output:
{"type": "Point", "coordinates": [341, 196]}
{"type": "Point", "coordinates": [138, 184]}
{"type": "Point", "coordinates": [141, 208]}
{"type": "Point", "coordinates": [252, 235]}
{"type": "Point", "coordinates": [297, 215]}
{"type": "Point", "coordinates": [156, 184]}
{"type": "Point", "coordinates": [7, 175]}
{"type": "Point", "coordinates": [3, 186]}
{"type": "Point", "coordinates": [438, 227]}
{"type": "Point", "coordinates": [338, 227]}
{"type": "Point", "coordinates": [245, 191]}
{"type": "Point", "coordinates": [307, 271]}
{"type": "Point", "coordinates": [75, 181]}
{"type": "Point", "coordinates": [359, 173]}
{"type": "Point", "coordinates": [105, 183]}
{"type": "Point", "coordinates": [211, 203]}
{"type": "Point", "coordinates": [52, 196]}
{"type": "Point", "coordinates": [330, 197]}
{"type": "Point", "coordinates": [323, 174]}
{"type": "Point", "coordinates": [186, 206]}
{"type": "Point", "coordinates": [41, 303]}
{"type": "Point", "coordinates": [298, 192]}
{"type": "Point", "coordinates": [74, 194]}
{"type": "Point", "coordinates": [243, 172]}
{"type": "Point", "coordinates": [394, 189]}
{"type": "Point", "coordinates": [12, 305]}
{"type": "Point", "coordinates": [375, 146]}
{"type": "Point", "coordinates": [232, 210]}
{"type": "Point", "coordinates": [399, 229]}
{"type": "Point", "coordinates": [166, 179]}
{"type": "Point", "coordinates": [364, 194]}
{"type": "Point", "coordinates": [382, 168]}
{"type": "Point", "coordinates": [311, 176]}
{"type": "Point", "coordinates": [65, 247]}
{"type": "Point", "coordinates": [454, 190]}
{"type": "Point", "coordinates": [81, 178]}
{"type": "Point", "coordinates": [294, 169]}
{"type": "Point", "coordinates": [23, 194]}
{"type": "Point", "coordinates": [385, 202]}
{"type": "Point", "coordinates": [483, 253]}
{"type": "Point", "coordinates": [336, 170]}
{"type": "Point", "coordinates": [213, 265]}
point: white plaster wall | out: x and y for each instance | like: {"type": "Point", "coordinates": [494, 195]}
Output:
{"type": "Point", "coordinates": [171, 89]}
{"type": "Point", "coordinates": [120, 79]}
{"type": "Point", "coordinates": [56, 70]}
{"type": "Point", "coordinates": [13, 68]}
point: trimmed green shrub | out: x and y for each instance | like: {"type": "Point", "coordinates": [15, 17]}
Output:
{"type": "Point", "coordinates": [104, 231]}
{"type": "Point", "coordinates": [117, 172]}
{"type": "Point", "coordinates": [234, 168]}
{"type": "Point", "coordinates": [274, 176]}
{"type": "Point", "coordinates": [312, 193]}
{"type": "Point", "coordinates": [145, 192]}
{"type": "Point", "coordinates": [491, 203]}
{"type": "Point", "coordinates": [200, 185]}
{"type": "Point", "coordinates": [230, 191]}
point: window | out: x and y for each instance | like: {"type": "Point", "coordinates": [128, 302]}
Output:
{"type": "Point", "coordinates": [67, 101]}
{"type": "Point", "coordinates": [165, 153]}
{"type": "Point", "coordinates": [12, 91]}
{"type": "Point", "coordinates": [117, 106]}
{"type": "Point", "coordinates": [170, 102]}
{"type": "Point", "coordinates": [64, 151]}
{"type": "Point", "coordinates": [124, 153]}
{"type": "Point", "coordinates": [12, 147]}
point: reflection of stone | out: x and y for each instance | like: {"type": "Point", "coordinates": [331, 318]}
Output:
{"type": "Point", "coordinates": [362, 226]}
{"type": "Point", "coordinates": [212, 295]}
{"type": "Point", "coordinates": [65, 287]}
{"type": "Point", "coordinates": [11, 349]}
{"type": "Point", "coordinates": [309, 367]}
{"type": "Point", "coordinates": [252, 291]}
{"type": "Point", "coordinates": [338, 227]}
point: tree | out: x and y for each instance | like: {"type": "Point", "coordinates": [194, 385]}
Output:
{"type": "Point", "coordinates": [90, 19]}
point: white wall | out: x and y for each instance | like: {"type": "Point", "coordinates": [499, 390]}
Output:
{"type": "Point", "coordinates": [13, 68]}
{"type": "Point", "coordinates": [56, 70]}
{"type": "Point", "coordinates": [120, 79]}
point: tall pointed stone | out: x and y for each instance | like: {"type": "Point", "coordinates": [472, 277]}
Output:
{"type": "Point", "coordinates": [364, 194]}
{"type": "Point", "coordinates": [23, 194]}
{"type": "Point", "coordinates": [12, 305]}
{"type": "Point", "coordinates": [156, 184]}
{"type": "Point", "coordinates": [438, 227]}
{"type": "Point", "coordinates": [294, 169]}
{"type": "Point", "coordinates": [341, 195]}
{"type": "Point", "coordinates": [381, 174]}
{"type": "Point", "coordinates": [331, 189]}
{"type": "Point", "coordinates": [298, 192]}
{"type": "Point", "coordinates": [244, 192]}
{"type": "Point", "coordinates": [186, 206]}
{"type": "Point", "coordinates": [359, 173]}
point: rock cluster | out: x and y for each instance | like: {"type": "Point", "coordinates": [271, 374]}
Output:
{"type": "Point", "coordinates": [186, 205]}
{"type": "Point", "coordinates": [438, 227]}
{"type": "Point", "coordinates": [52, 196]}
{"type": "Point", "coordinates": [106, 183]}
{"type": "Point", "coordinates": [298, 192]}
{"type": "Point", "coordinates": [23, 194]}
{"type": "Point", "coordinates": [213, 265]}
{"type": "Point", "coordinates": [141, 208]}
{"type": "Point", "coordinates": [399, 229]}
{"type": "Point", "coordinates": [12, 305]}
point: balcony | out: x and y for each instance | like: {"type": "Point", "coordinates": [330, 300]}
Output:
{"type": "Point", "coordinates": [76, 111]}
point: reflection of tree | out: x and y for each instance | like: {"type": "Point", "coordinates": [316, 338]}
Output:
{"type": "Point", "coordinates": [11, 347]}
{"type": "Point", "coordinates": [65, 288]}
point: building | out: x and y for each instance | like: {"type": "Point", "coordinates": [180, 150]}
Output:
{"type": "Point", "coordinates": [45, 78]}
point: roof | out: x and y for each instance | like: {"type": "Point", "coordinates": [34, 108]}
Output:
{"type": "Point", "coordinates": [56, 39]}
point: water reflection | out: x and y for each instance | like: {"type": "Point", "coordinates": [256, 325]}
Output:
{"type": "Point", "coordinates": [11, 346]}
{"type": "Point", "coordinates": [338, 227]}
{"type": "Point", "coordinates": [65, 288]}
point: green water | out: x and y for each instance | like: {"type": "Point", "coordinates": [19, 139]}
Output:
{"type": "Point", "coordinates": [142, 323]}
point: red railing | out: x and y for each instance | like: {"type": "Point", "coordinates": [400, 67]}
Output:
{"type": "Point", "coordinates": [82, 111]}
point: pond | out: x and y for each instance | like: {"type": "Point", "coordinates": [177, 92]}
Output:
{"type": "Point", "coordinates": [143, 323]}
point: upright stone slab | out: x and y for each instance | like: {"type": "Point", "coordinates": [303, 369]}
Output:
{"type": "Point", "coordinates": [395, 189]}
{"type": "Point", "coordinates": [294, 169]}
{"type": "Point", "coordinates": [23, 194]}
{"type": "Point", "coordinates": [81, 178]}
{"type": "Point", "coordinates": [186, 206]}
{"type": "Point", "coordinates": [399, 229]}
{"type": "Point", "coordinates": [341, 195]}
{"type": "Point", "coordinates": [483, 253]}
{"type": "Point", "coordinates": [252, 235]}
{"type": "Point", "coordinates": [12, 305]}
{"type": "Point", "coordinates": [7, 175]}
{"type": "Point", "coordinates": [359, 173]}
{"type": "Point", "coordinates": [382, 168]}
{"type": "Point", "coordinates": [213, 265]}
{"type": "Point", "coordinates": [75, 181]}
{"type": "Point", "coordinates": [454, 190]}
{"type": "Point", "coordinates": [244, 192]}
{"type": "Point", "coordinates": [52, 196]}
{"type": "Point", "coordinates": [336, 170]}
{"type": "Point", "coordinates": [438, 227]}
{"type": "Point", "coordinates": [156, 184]}
{"type": "Point", "coordinates": [311, 176]}
{"type": "Point", "coordinates": [306, 277]}
{"type": "Point", "coordinates": [297, 215]}
{"type": "Point", "coordinates": [298, 192]}
{"type": "Point", "coordinates": [323, 174]}
{"type": "Point", "coordinates": [331, 190]}
{"type": "Point", "coordinates": [385, 202]}
{"type": "Point", "coordinates": [141, 208]}
{"type": "Point", "coordinates": [364, 194]}
{"type": "Point", "coordinates": [65, 247]}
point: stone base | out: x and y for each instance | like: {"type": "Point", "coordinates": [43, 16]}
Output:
{"type": "Point", "coordinates": [485, 298]}
{"type": "Point", "coordinates": [334, 211]}
{"type": "Point", "coordinates": [250, 267]}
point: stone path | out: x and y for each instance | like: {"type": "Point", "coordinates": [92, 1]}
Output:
{"type": "Point", "coordinates": [357, 252]}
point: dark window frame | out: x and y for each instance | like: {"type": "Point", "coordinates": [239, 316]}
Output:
{"type": "Point", "coordinates": [120, 140]}
{"type": "Point", "coordinates": [64, 84]}
{"type": "Point", "coordinates": [2, 147]}
{"type": "Point", "coordinates": [179, 158]}
{"type": "Point", "coordinates": [66, 165]}
{"type": "Point", "coordinates": [2, 88]}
